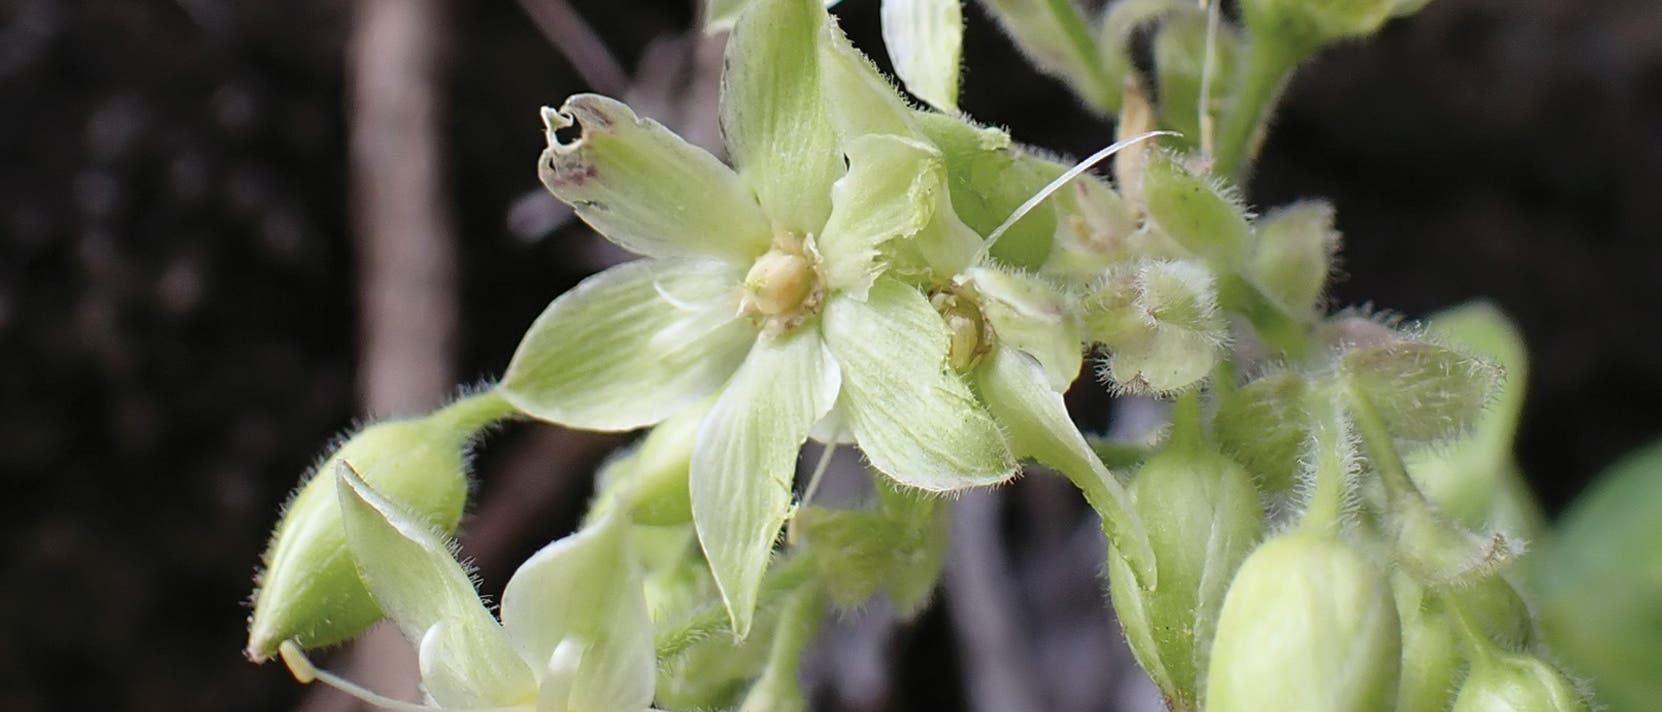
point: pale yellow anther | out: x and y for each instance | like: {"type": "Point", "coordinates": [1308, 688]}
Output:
{"type": "Point", "coordinates": [969, 335]}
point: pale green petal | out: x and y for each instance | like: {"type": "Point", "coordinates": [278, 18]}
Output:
{"type": "Point", "coordinates": [1035, 317]}
{"type": "Point", "coordinates": [890, 191]}
{"type": "Point", "coordinates": [631, 346]}
{"type": "Point", "coordinates": [745, 460]}
{"type": "Point", "coordinates": [645, 188]}
{"type": "Point", "coordinates": [914, 418]}
{"type": "Point", "coordinates": [586, 589]}
{"type": "Point", "coordinates": [772, 115]}
{"type": "Point", "coordinates": [860, 99]}
{"type": "Point", "coordinates": [1036, 420]}
{"type": "Point", "coordinates": [418, 583]}
{"type": "Point", "coordinates": [925, 39]}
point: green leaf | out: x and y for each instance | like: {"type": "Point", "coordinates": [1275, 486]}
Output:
{"type": "Point", "coordinates": [1598, 583]}
{"type": "Point", "coordinates": [630, 346]}
{"type": "Point", "coordinates": [745, 460]}
{"type": "Point", "coordinates": [772, 114]}
{"type": "Point", "coordinates": [859, 98]}
{"type": "Point", "coordinates": [586, 588]}
{"type": "Point", "coordinates": [1422, 391]}
{"type": "Point", "coordinates": [645, 188]}
{"type": "Point", "coordinates": [466, 659]}
{"type": "Point", "coordinates": [891, 191]}
{"type": "Point", "coordinates": [1056, 38]}
{"type": "Point", "coordinates": [1120, 23]}
{"type": "Point", "coordinates": [1201, 216]}
{"type": "Point", "coordinates": [1035, 419]}
{"type": "Point", "coordinates": [925, 40]}
{"type": "Point", "coordinates": [911, 415]}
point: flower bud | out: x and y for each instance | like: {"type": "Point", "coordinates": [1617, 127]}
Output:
{"type": "Point", "coordinates": [310, 592]}
{"type": "Point", "coordinates": [1294, 254]}
{"type": "Point", "coordinates": [1432, 654]}
{"type": "Point", "coordinates": [1263, 426]}
{"type": "Point", "coordinates": [1205, 219]}
{"type": "Point", "coordinates": [1422, 391]}
{"type": "Point", "coordinates": [1203, 518]}
{"type": "Point", "coordinates": [1512, 682]}
{"type": "Point", "coordinates": [1308, 624]}
{"type": "Point", "coordinates": [1161, 324]}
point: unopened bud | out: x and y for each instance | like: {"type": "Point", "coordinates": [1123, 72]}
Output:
{"type": "Point", "coordinates": [1161, 324]}
{"type": "Point", "coordinates": [1203, 518]}
{"type": "Point", "coordinates": [1512, 682]}
{"type": "Point", "coordinates": [1422, 391]}
{"type": "Point", "coordinates": [1263, 426]}
{"type": "Point", "coordinates": [1294, 254]}
{"type": "Point", "coordinates": [310, 592]}
{"type": "Point", "coordinates": [1206, 220]}
{"type": "Point", "coordinates": [1308, 625]}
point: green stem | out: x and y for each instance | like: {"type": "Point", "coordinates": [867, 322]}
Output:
{"type": "Point", "coordinates": [1477, 643]}
{"type": "Point", "coordinates": [1268, 66]}
{"type": "Point", "coordinates": [1327, 502]}
{"type": "Point", "coordinates": [1186, 431]}
{"type": "Point", "coordinates": [1382, 450]}
{"type": "Point", "coordinates": [475, 410]}
{"type": "Point", "coordinates": [713, 619]}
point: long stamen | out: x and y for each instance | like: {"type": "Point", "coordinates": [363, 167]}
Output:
{"type": "Point", "coordinates": [302, 669]}
{"type": "Point", "coordinates": [1062, 180]}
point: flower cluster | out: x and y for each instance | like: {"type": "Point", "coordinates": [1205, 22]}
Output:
{"type": "Point", "coordinates": [903, 281]}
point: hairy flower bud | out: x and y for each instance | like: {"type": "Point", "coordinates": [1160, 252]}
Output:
{"type": "Point", "coordinates": [1262, 425]}
{"type": "Point", "coordinates": [1308, 625]}
{"type": "Point", "coordinates": [1205, 219]}
{"type": "Point", "coordinates": [1294, 254]}
{"type": "Point", "coordinates": [1512, 682]}
{"type": "Point", "coordinates": [310, 592]}
{"type": "Point", "coordinates": [1161, 324]}
{"type": "Point", "coordinates": [1203, 518]}
{"type": "Point", "coordinates": [1432, 654]}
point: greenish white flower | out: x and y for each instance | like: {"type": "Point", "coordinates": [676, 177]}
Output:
{"type": "Point", "coordinates": [766, 283]}
{"type": "Point", "coordinates": [575, 635]}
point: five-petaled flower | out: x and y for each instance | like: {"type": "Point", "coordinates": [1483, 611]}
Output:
{"type": "Point", "coordinates": [781, 285]}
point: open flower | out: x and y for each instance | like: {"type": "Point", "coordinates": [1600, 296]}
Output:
{"type": "Point", "coordinates": [767, 283]}
{"type": "Point", "coordinates": [575, 634]}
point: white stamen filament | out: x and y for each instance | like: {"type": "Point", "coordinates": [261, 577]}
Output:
{"type": "Point", "coordinates": [1062, 180]}
{"type": "Point", "coordinates": [302, 669]}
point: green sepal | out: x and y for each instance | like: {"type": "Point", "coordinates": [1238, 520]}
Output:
{"type": "Point", "coordinates": [1203, 519]}
{"type": "Point", "coordinates": [309, 591]}
{"type": "Point", "coordinates": [1034, 316]}
{"type": "Point", "coordinates": [1203, 217]}
{"type": "Point", "coordinates": [989, 178]}
{"type": "Point", "coordinates": [1263, 426]}
{"type": "Point", "coordinates": [1422, 391]}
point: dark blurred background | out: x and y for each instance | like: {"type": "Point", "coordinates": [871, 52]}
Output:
{"type": "Point", "coordinates": [206, 216]}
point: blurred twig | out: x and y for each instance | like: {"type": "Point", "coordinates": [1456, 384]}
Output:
{"type": "Point", "coordinates": [573, 37]}
{"type": "Point", "coordinates": [984, 606]}
{"type": "Point", "coordinates": [406, 254]}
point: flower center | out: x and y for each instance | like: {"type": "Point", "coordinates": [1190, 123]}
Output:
{"type": "Point", "coordinates": [783, 286]}
{"type": "Point", "coordinates": [971, 336]}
